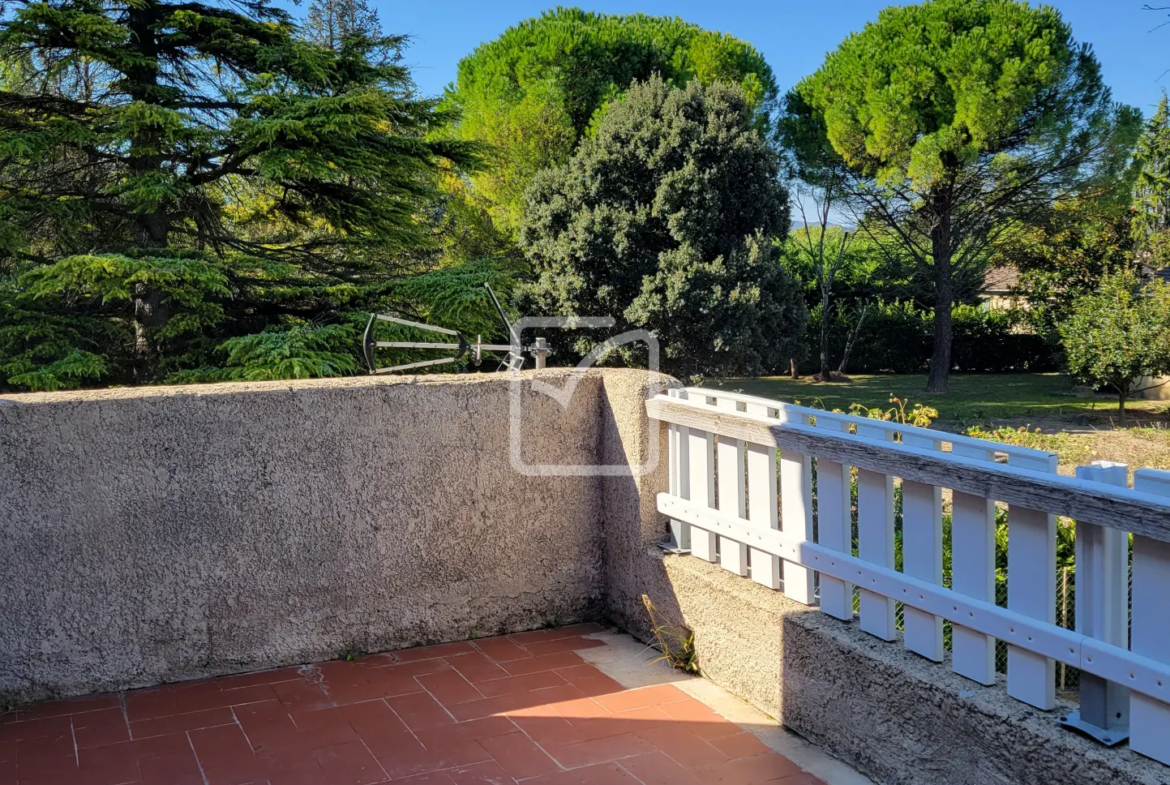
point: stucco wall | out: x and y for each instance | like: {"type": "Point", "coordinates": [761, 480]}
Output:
{"type": "Point", "coordinates": [158, 534]}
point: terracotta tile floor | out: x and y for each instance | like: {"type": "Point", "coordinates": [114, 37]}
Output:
{"type": "Point", "coordinates": [522, 708]}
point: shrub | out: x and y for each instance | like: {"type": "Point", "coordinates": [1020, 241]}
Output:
{"type": "Point", "coordinates": [997, 341]}
{"type": "Point", "coordinates": [896, 338]}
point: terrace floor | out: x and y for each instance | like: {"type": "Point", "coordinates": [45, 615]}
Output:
{"type": "Point", "coordinates": [524, 708]}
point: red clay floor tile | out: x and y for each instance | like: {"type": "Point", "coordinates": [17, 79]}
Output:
{"type": "Point", "coordinates": [519, 708]}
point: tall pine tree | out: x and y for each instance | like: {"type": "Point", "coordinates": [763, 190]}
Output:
{"type": "Point", "coordinates": [1151, 196]}
{"type": "Point", "coordinates": [176, 174]}
{"type": "Point", "coordinates": [330, 22]}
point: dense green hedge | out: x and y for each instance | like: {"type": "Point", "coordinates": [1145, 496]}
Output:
{"type": "Point", "coordinates": [896, 338]}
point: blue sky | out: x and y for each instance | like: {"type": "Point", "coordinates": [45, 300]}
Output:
{"type": "Point", "coordinates": [792, 34]}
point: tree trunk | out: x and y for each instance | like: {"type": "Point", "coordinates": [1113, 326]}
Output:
{"type": "Point", "coordinates": [826, 308]}
{"type": "Point", "coordinates": [1121, 396]}
{"type": "Point", "coordinates": [792, 369]}
{"type": "Point", "coordinates": [940, 250]}
{"type": "Point", "coordinates": [152, 230]}
{"type": "Point", "coordinates": [851, 339]}
{"type": "Point", "coordinates": [150, 313]}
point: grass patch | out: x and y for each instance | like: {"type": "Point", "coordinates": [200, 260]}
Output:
{"type": "Point", "coordinates": [1079, 430]}
{"type": "Point", "coordinates": [972, 398]}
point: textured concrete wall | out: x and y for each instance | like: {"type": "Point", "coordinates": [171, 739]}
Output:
{"type": "Point", "coordinates": [159, 534]}
{"type": "Point", "coordinates": [893, 716]}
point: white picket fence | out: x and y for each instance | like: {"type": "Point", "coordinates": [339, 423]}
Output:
{"type": "Point", "coordinates": [728, 499]}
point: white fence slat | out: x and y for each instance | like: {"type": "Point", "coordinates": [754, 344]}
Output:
{"type": "Point", "coordinates": [732, 498]}
{"type": "Point", "coordinates": [1102, 601]}
{"type": "Point", "coordinates": [973, 574]}
{"type": "Point", "coordinates": [1102, 567]}
{"type": "Point", "coordinates": [922, 553]}
{"type": "Point", "coordinates": [1031, 571]}
{"type": "Point", "coordinates": [701, 466]}
{"type": "Point", "coordinates": [1143, 674]}
{"type": "Point", "coordinates": [796, 516]}
{"type": "Point", "coordinates": [679, 474]}
{"type": "Point", "coordinates": [1149, 719]}
{"type": "Point", "coordinates": [834, 527]}
{"type": "Point", "coordinates": [763, 500]}
{"type": "Point", "coordinates": [875, 538]}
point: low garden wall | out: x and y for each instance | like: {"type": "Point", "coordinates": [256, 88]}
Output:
{"type": "Point", "coordinates": [157, 534]}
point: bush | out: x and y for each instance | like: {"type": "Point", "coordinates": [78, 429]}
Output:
{"type": "Point", "coordinates": [663, 220]}
{"type": "Point", "coordinates": [988, 340]}
{"type": "Point", "coordinates": [896, 338]}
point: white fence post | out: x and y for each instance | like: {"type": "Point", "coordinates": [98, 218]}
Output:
{"type": "Point", "coordinates": [701, 464]}
{"type": "Point", "coordinates": [1032, 590]}
{"type": "Point", "coordinates": [973, 573]}
{"type": "Point", "coordinates": [922, 553]}
{"type": "Point", "coordinates": [680, 532]}
{"type": "Point", "coordinates": [835, 526]}
{"type": "Point", "coordinates": [732, 498]}
{"type": "Point", "coordinates": [875, 538]}
{"type": "Point", "coordinates": [762, 501]}
{"type": "Point", "coordinates": [1102, 611]}
{"type": "Point", "coordinates": [796, 515]}
{"type": "Point", "coordinates": [1149, 718]}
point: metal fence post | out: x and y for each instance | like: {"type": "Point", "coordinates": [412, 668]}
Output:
{"type": "Point", "coordinates": [540, 351]}
{"type": "Point", "coordinates": [1102, 611]}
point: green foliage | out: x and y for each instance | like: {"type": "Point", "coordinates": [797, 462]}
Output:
{"type": "Point", "coordinates": [1063, 251]}
{"type": "Point", "coordinates": [998, 341]}
{"type": "Point", "coordinates": [954, 118]}
{"type": "Point", "coordinates": [537, 89]}
{"type": "Point", "coordinates": [919, 415]}
{"type": "Point", "coordinates": [194, 173]}
{"type": "Point", "coordinates": [282, 353]}
{"type": "Point", "coordinates": [675, 640]}
{"type": "Point", "coordinates": [1119, 334]}
{"type": "Point", "coordinates": [45, 351]}
{"type": "Point", "coordinates": [330, 22]}
{"type": "Point", "coordinates": [189, 286]}
{"type": "Point", "coordinates": [1151, 226]}
{"type": "Point", "coordinates": [664, 221]}
{"type": "Point", "coordinates": [896, 339]}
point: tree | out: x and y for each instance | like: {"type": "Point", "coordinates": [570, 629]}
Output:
{"type": "Point", "coordinates": [957, 118]}
{"type": "Point", "coordinates": [824, 248]}
{"type": "Point", "coordinates": [330, 22]}
{"type": "Point", "coordinates": [533, 93]}
{"type": "Point", "coordinates": [665, 219]}
{"type": "Point", "coordinates": [1119, 336]}
{"type": "Point", "coordinates": [1151, 196]}
{"type": "Point", "coordinates": [216, 177]}
{"type": "Point", "coordinates": [1065, 250]}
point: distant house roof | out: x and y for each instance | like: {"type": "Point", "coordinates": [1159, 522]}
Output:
{"type": "Point", "coordinates": [1149, 271]}
{"type": "Point", "coordinates": [1000, 280]}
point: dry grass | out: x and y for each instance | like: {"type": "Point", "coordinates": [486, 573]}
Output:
{"type": "Point", "coordinates": [1138, 447]}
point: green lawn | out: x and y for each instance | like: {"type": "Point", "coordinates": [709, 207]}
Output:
{"type": "Point", "coordinates": [1039, 400]}
{"type": "Point", "coordinates": [972, 399]}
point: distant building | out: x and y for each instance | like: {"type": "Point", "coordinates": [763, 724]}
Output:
{"type": "Point", "coordinates": [998, 292]}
